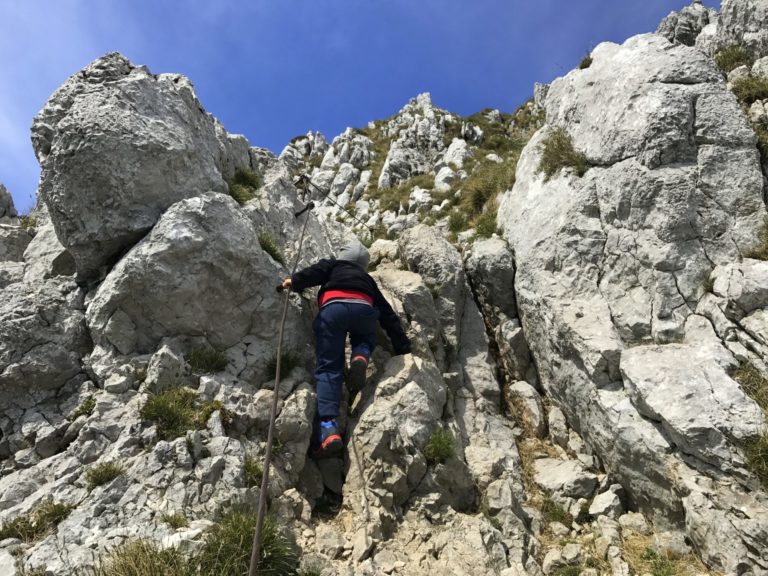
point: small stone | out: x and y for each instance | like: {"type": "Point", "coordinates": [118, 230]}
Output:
{"type": "Point", "coordinates": [363, 544]}
{"type": "Point", "coordinates": [552, 561]}
{"type": "Point", "coordinates": [571, 554]}
{"type": "Point", "coordinates": [564, 477]}
{"type": "Point", "coordinates": [118, 383]}
{"type": "Point", "coordinates": [558, 428]}
{"type": "Point", "coordinates": [634, 522]}
{"type": "Point", "coordinates": [559, 529]}
{"type": "Point", "coordinates": [328, 541]}
{"type": "Point", "coordinates": [606, 504]}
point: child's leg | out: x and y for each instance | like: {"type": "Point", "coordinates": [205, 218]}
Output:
{"type": "Point", "coordinates": [362, 330]}
{"type": "Point", "coordinates": [330, 333]}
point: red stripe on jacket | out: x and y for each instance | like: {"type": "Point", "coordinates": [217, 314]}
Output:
{"type": "Point", "coordinates": [346, 295]}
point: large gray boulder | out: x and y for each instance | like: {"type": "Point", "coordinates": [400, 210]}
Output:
{"type": "Point", "coordinates": [619, 258]}
{"type": "Point", "coordinates": [703, 411]}
{"type": "Point", "coordinates": [200, 273]}
{"type": "Point", "coordinates": [117, 146]}
{"type": "Point", "coordinates": [7, 210]}
{"type": "Point", "coordinates": [42, 338]}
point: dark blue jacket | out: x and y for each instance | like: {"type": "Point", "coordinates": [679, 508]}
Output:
{"type": "Point", "coordinates": [344, 275]}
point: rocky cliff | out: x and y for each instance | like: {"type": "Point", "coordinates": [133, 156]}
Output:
{"type": "Point", "coordinates": [585, 282]}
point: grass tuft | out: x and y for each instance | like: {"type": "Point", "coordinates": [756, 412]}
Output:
{"type": "Point", "coordinates": [253, 471]}
{"type": "Point", "coordinates": [559, 153]}
{"type": "Point", "coordinates": [551, 511]}
{"type": "Point", "coordinates": [485, 225]}
{"type": "Point", "coordinates": [227, 548]}
{"type": "Point", "coordinates": [175, 521]}
{"type": "Point", "coordinates": [751, 89]}
{"type": "Point", "coordinates": [754, 384]}
{"type": "Point", "coordinates": [756, 451]}
{"type": "Point", "coordinates": [207, 361]}
{"type": "Point", "coordinates": [586, 62]}
{"type": "Point", "coordinates": [177, 410]}
{"type": "Point", "coordinates": [440, 447]}
{"type": "Point", "coordinates": [643, 559]}
{"type": "Point", "coordinates": [732, 57]}
{"type": "Point", "coordinates": [85, 409]}
{"type": "Point", "coordinates": [269, 246]}
{"type": "Point", "coordinates": [28, 222]}
{"type": "Point", "coordinates": [102, 473]}
{"type": "Point", "coordinates": [288, 361]}
{"type": "Point", "coordinates": [457, 221]}
{"type": "Point", "coordinates": [32, 527]}
{"type": "Point", "coordinates": [143, 558]}
{"type": "Point", "coordinates": [172, 410]}
{"type": "Point", "coordinates": [244, 185]}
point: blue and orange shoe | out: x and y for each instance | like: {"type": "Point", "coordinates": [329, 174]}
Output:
{"type": "Point", "coordinates": [330, 443]}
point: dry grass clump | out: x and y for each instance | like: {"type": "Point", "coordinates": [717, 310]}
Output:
{"type": "Point", "coordinates": [754, 384]}
{"type": "Point", "coordinates": [176, 520]}
{"type": "Point", "coordinates": [226, 551]}
{"type": "Point", "coordinates": [732, 57]}
{"type": "Point", "coordinates": [142, 558]}
{"type": "Point", "coordinates": [639, 553]}
{"type": "Point", "coordinates": [751, 89]}
{"type": "Point", "coordinates": [32, 527]}
{"type": "Point", "coordinates": [102, 473]}
{"type": "Point", "coordinates": [559, 153]}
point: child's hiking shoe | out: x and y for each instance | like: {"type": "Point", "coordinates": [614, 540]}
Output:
{"type": "Point", "coordinates": [330, 443]}
{"type": "Point", "coordinates": [357, 369]}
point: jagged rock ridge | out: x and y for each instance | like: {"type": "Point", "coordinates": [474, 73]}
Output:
{"type": "Point", "coordinates": [589, 365]}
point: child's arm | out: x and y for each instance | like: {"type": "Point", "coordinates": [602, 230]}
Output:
{"type": "Point", "coordinates": [391, 324]}
{"type": "Point", "coordinates": [314, 275]}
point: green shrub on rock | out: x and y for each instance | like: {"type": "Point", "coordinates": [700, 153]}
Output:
{"type": "Point", "coordinates": [732, 57]}
{"type": "Point", "coordinates": [440, 447]}
{"type": "Point", "coordinates": [207, 361]}
{"type": "Point", "coordinates": [269, 246]}
{"type": "Point", "coordinates": [227, 547]}
{"type": "Point", "coordinates": [244, 185]}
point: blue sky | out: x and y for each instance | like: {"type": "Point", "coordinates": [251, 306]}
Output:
{"type": "Point", "coordinates": [272, 69]}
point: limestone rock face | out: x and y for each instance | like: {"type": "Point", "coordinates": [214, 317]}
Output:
{"type": "Point", "coordinates": [7, 210]}
{"type": "Point", "coordinates": [117, 146]}
{"type": "Point", "coordinates": [704, 412]}
{"type": "Point", "coordinates": [685, 26]}
{"type": "Point", "coordinates": [417, 134]}
{"type": "Point", "coordinates": [740, 22]}
{"type": "Point", "coordinates": [42, 338]}
{"type": "Point", "coordinates": [618, 259]}
{"type": "Point", "coordinates": [199, 273]}
{"type": "Point", "coordinates": [13, 241]}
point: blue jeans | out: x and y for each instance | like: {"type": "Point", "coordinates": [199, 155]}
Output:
{"type": "Point", "coordinates": [331, 325]}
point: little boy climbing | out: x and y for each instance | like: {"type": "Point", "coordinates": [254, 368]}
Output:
{"type": "Point", "coordinates": [350, 303]}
